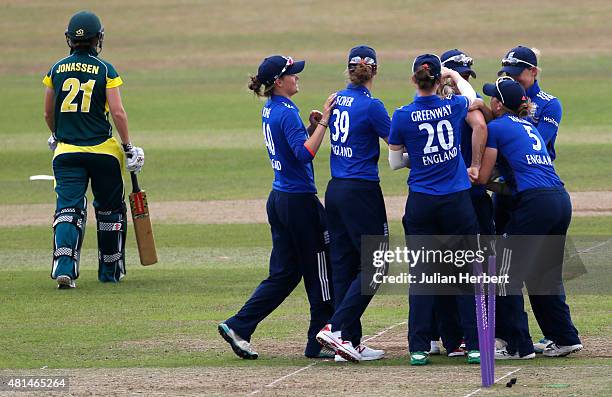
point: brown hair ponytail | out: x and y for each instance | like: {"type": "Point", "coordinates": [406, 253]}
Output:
{"type": "Point", "coordinates": [258, 88]}
{"type": "Point", "coordinates": [361, 73]}
{"type": "Point", "coordinates": [424, 79]}
{"type": "Point", "coordinates": [524, 109]}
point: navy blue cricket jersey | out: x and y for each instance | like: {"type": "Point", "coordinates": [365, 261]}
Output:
{"type": "Point", "coordinates": [523, 152]}
{"type": "Point", "coordinates": [546, 116]}
{"type": "Point", "coordinates": [430, 129]}
{"type": "Point", "coordinates": [285, 135]}
{"type": "Point", "coordinates": [356, 124]}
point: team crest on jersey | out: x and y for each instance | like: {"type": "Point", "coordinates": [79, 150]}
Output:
{"type": "Point", "coordinates": [80, 32]}
{"type": "Point", "coordinates": [533, 111]}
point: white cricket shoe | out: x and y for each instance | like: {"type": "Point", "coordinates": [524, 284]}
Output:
{"type": "Point", "coordinates": [333, 340]}
{"type": "Point", "coordinates": [435, 348]}
{"type": "Point", "coordinates": [65, 282]}
{"type": "Point", "coordinates": [502, 354]}
{"type": "Point", "coordinates": [540, 346]}
{"type": "Point", "coordinates": [241, 347]}
{"type": "Point", "coordinates": [554, 350]}
{"type": "Point", "coordinates": [367, 354]}
{"type": "Point", "coordinates": [500, 344]}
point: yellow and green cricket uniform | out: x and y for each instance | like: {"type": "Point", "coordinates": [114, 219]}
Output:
{"type": "Point", "coordinates": [86, 151]}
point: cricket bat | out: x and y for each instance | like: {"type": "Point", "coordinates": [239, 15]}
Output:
{"type": "Point", "coordinates": [142, 224]}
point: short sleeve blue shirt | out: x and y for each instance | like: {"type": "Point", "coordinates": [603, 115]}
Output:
{"type": "Point", "coordinates": [430, 129]}
{"type": "Point", "coordinates": [523, 152]}
{"type": "Point", "coordinates": [356, 124]}
{"type": "Point", "coordinates": [285, 135]}
{"type": "Point", "coordinates": [546, 116]}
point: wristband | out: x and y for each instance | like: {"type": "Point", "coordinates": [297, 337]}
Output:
{"type": "Point", "coordinates": [127, 147]}
{"type": "Point", "coordinates": [323, 123]}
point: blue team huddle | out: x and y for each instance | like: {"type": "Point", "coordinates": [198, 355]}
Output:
{"type": "Point", "coordinates": [458, 150]}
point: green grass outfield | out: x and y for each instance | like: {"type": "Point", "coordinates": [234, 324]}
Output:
{"type": "Point", "coordinates": [185, 65]}
{"type": "Point", "coordinates": [166, 315]}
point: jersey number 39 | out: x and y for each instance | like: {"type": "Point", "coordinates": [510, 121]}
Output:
{"type": "Point", "coordinates": [341, 125]}
{"type": "Point", "coordinates": [440, 127]}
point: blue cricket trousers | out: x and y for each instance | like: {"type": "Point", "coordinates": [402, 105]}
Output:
{"type": "Point", "coordinates": [431, 215]}
{"type": "Point", "coordinates": [299, 249]}
{"type": "Point", "coordinates": [545, 211]}
{"type": "Point", "coordinates": [354, 208]}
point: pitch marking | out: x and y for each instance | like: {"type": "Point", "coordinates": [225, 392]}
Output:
{"type": "Point", "coordinates": [271, 384]}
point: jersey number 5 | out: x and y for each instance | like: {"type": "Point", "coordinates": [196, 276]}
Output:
{"type": "Point", "coordinates": [538, 144]}
{"type": "Point", "coordinates": [440, 127]}
{"type": "Point", "coordinates": [73, 85]}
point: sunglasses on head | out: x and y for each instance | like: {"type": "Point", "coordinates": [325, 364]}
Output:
{"type": "Point", "coordinates": [512, 61]}
{"type": "Point", "coordinates": [365, 60]}
{"type": "Point", "coordinates": [289, 63]}
{"type": "Point", "coordinates": [460, 58]}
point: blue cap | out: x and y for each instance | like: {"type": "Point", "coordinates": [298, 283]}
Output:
{"type": "Point", "coordinates": [508, 91]}
{"type": "Point", "coordinates": [518, 59]}
{"type": "Point", "coordinates": [433, 62]}
{"type": "Point", "coordinates": [362, 53]}
{"type": "Point", "coordinates": [276, 66]}
{"type": "Point", "coordinates": [458, 61]}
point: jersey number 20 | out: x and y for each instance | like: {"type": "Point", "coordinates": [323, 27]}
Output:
{"type": "Point", "coordinates": [440, 127]}
{"type": "Point", "coordinates": [73, 85]}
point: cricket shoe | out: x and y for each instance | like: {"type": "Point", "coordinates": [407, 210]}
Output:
{"type": "Point", "coordinates": [367, 354]}
{"type": "Point", "coordinates": [473, 357]}
{"type": "Point", "coordinates": [333, 340]}
{"type": "Point", "coordinates": [554, 350]}
{"type": "Point", "coordinates": [502, 354]}
{"type": "Point", "coordinates": [419, 358]}
{"type": "Point", "coordinates": [65, 282]}
{"type": "Point", "coordinates": [500, 344]}
{"type": "Point", "coordinates": [435, 348]}
{"type": "Point", "coordinates": [241, 347]}
{"type": "Point", "coordinates": [458, 352]}
{"type": "Point", "coordinates": [325, 353]}
{"type": "Point", "coordinates": [541, 345]}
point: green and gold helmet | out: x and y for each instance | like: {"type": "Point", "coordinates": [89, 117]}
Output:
{"type": "Point", "coordinates": [83, 27]}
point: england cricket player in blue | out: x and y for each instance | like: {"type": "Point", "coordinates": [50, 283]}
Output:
{"type": "Point", "coordinates": [521, 63]}
{"type": "Point", "coordinates": [354, 201]}
{"type": "Point", "coordinates": [81, 90]}
{"type": "Point", "coordinates": [541, 207]}
{"type": "Point", "coordinates": [425, 135]}
{"type": "Point", "coordinates": [296, 216]}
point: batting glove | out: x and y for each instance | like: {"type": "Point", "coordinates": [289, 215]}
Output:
{"type": "Point", "coordinates": [134, 157]}
{"type": "Point", "coordinates": [52, 143]}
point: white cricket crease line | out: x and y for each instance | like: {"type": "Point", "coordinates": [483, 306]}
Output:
{"type": "Point", "coordinates": [496, 380]}
{"type": "Point", "coordinates": [271, 384]}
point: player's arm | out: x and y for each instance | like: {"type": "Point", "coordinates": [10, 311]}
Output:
{"type": "Point", "coordinates": [475, 119]}
{"type": "Point", "coordinates": [379, 119]}
{"type": "Point", "coordinates": [465, 88]}
{"type": "Point", "coordinates": [113, 96]}
{"type": "Point", "coordinates": [488, 163]}
{"type": "Point", "coordinates": [49, 108]}
{"type": "Point", "coordinates": [398, 158]}
{"type": "Point", "coordinates": [548, 125]}
{"type": "Point", "coordinates": [313, 143]}
{"type": "Point", "coordinates": [479, 104]}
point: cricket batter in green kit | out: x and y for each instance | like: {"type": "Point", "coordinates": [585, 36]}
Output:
{"type": "Point", "coordinates": [81, 90]}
